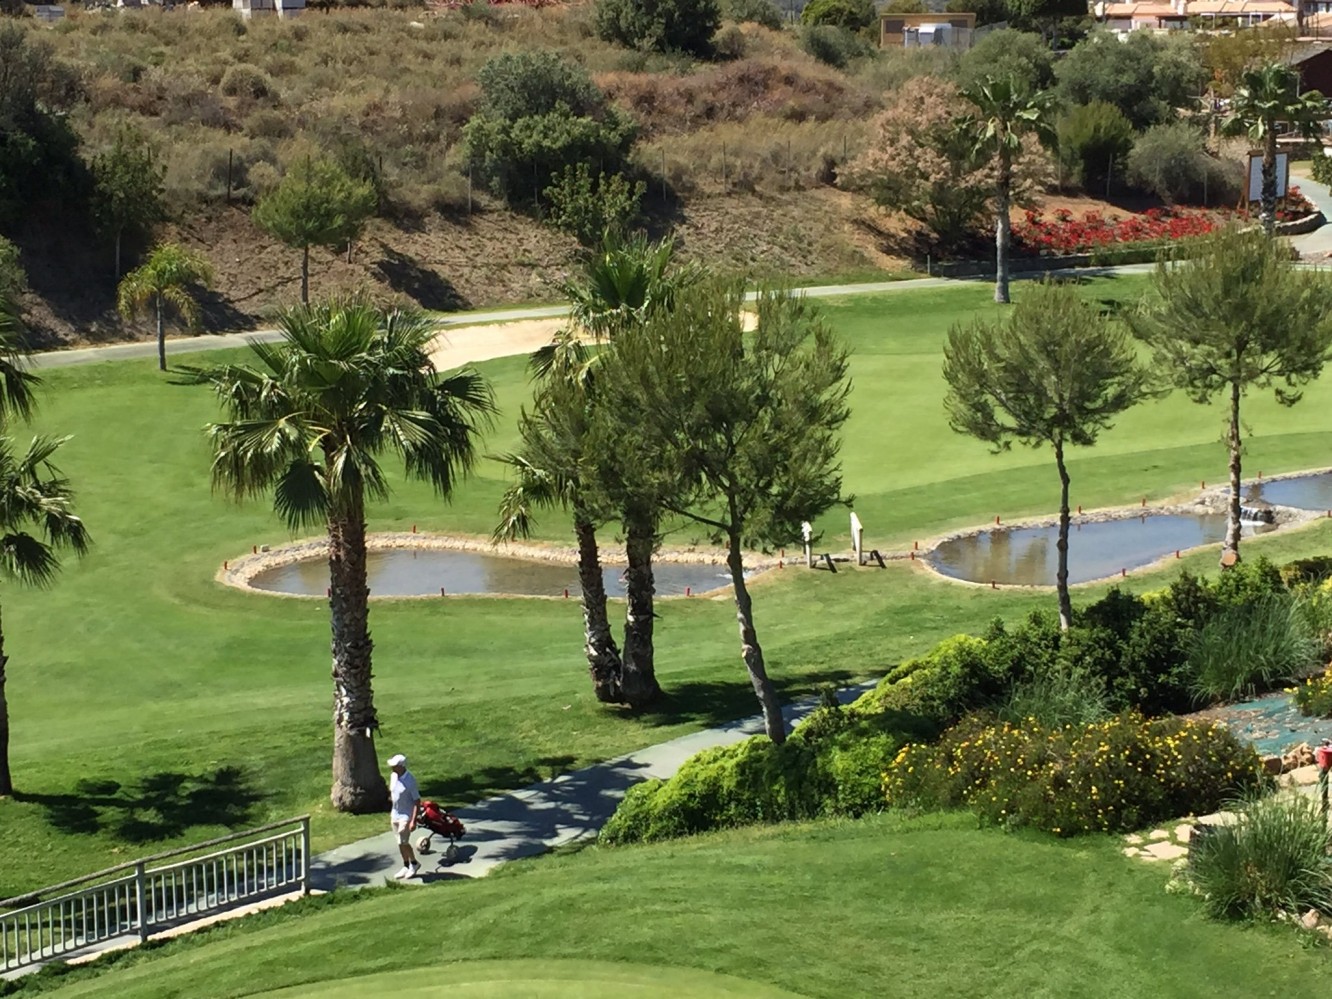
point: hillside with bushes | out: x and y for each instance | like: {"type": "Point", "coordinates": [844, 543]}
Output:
{"type": "Point", "coordinates": [487, 142]}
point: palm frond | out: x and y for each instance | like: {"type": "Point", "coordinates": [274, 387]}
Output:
{"type": "Point", "coordinates": [300, 496]}
{"type": "Point", "coordinates": [27, 560]}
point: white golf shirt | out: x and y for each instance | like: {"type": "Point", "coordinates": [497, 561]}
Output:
{"type": "Point", "coordinates": [404, 795]}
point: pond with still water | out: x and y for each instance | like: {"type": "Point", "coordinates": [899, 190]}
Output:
{"type": "Point", "coordinates": [1304, 492]}
{"type": "Point", "coordinates": [410, 573]}
{"type": "Point", "coordinates": [1027, 556]}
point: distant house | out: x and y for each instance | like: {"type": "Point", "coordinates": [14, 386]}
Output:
{"type": "Point", "coordinates": [282, 8]}
{"type": "Point", "coordinates": [1166, 15]}
{"type": "Point", "coordinates": [1314, 64]}
{"type": "Point", "coordinates": [954, 31]}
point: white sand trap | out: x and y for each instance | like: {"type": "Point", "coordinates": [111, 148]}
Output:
{"type": "Point", "coordinates": [460, 345]}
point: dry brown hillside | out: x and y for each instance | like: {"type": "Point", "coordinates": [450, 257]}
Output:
{"type": "Point", "coordinates": [738, 154]}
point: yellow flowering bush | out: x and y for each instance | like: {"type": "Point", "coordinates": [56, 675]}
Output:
{"type": "Point", "coordinates": [1109, 776]}
{"type": "Point", "coordinates": [1314, 696]}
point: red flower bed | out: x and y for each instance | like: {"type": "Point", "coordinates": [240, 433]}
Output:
{"type": "Point", "coordinates": [1063, 233]}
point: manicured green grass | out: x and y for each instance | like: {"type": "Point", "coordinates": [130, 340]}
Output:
{"type": "Point", "coordinates": [885, 906]}
{"type": "Point", "coordinates": [540, 980]}
{"type": "Point", "coordinates": [152, 706]}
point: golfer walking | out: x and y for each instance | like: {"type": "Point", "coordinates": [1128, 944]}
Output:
{"type": "Point", "coordinates": [402, 812]}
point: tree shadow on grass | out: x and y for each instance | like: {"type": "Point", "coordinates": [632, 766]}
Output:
{"type": "Point", "coordinates": [718, 702]}
{"type": "Point", "coordinates": [157, 806]}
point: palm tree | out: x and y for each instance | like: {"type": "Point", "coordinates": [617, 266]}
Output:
{"type": "Point", "coordinates": [1006, 113]}
{"type": "Point", "coordinates": [622, 284]}
{"type": "Point", "coordinates": [36, 504]}
{"type": "Point", "coordinates": [548, 465]}
{"type": "Point", "coordinates": [310, 422]}
{"type": "Point", "coordinates": [1268, 95]}
{"type": "Point", "coordinates": [165, 279]}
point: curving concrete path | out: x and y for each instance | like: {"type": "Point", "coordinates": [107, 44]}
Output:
{"type": "Point", "coordinates": [540, 817]}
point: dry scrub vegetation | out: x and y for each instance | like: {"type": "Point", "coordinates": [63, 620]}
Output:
{"type": "Point", "coordinates": [738, 155]}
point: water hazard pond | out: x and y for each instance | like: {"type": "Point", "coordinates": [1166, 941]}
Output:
{"type": "Point", "coordinates": [421, 572]}
{"type": "Point", "coordinates": [1027, 556]}
{"type": "Point", "coordinates": [1307, 492]}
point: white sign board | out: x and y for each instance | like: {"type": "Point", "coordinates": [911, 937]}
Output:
{"type": "Point", "coordinates": [806, 531]}
{"type": "Point", "coordinates": [1256, 175]}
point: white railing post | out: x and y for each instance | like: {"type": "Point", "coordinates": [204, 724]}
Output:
{"type": "Point", "coordinates": [140, 912]}
{"type": "Point", "coordinates": [305, 854]}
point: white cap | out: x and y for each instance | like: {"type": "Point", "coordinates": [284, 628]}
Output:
{"type": "Point", "coordinates": [397, 761]}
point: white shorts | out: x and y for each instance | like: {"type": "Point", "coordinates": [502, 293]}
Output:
{"type": "Point", "coordinates": [400, 824]}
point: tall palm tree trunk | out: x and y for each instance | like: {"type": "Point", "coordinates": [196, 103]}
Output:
{"type": "Point", "coordinates": [6, 780]}
{"type": "Point", "coordinates": [161, 334]}
{"type": "Point", "coordinates": [1003, 226]}
{"type": "Point", "coordinates": [1267, 213]}
{"type": "Point", "coordinates": [638, 679]}
{"type": "Point", "coordinates": [305, 274]}
{"type": "Point", "coordinates": [750, 650]}
{"type": "Point", "coordinates": [1061, 546]}
{"type": "Point", "coordinates": [603, 655]}
{"type": "Point", "coordinates": [1232, 543]}
{"type": "Point", "coordinates": [358, 785]}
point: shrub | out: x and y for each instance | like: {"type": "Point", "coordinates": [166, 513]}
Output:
{"type": "Point", "coordinates": [954, 677]}
{"type": "Point", "coordinates": [1321, 168]}
{"type": "Point", "coordinates": [1273, 858]}
{"type": "Point", "coordinates": [1314, 570]}
{"type": "Point", "coordinates": [540, 115]}
{"type": "Point", "coordinates": [1003, 53]}
{"type": "Point", "coordinates": [1094, 139]}
{"type": "Point", "coordinates": [1169, 161]}
{"type": "Point", "coordinates": [854, 15]}
{"type": "Point", "coordinates": [590, 207]}
{"type": "Point", "coordinates": [832, 45]}
{"type": "Point", "coordinates": [1144, 76]}
{"type": "Point", "coordinates": [752, 781]}
{"type": "Point", "coordinates": [244, 80]}
{"type": "Point", "coordinates": [920, 164]}
{"type": "Point", "coordinates": [855, 772]}
{"type": "Point", "coordinates": [760, 12]}
{"type": "Point", "coordinates": [831, 765]}
{"type": "Point", "coordinates": [730, 43]}
{"type": "Point", "coordinates": [1249, 647]}
{"type": "Point", "coordinates": [1314, 696]}
{"type": "Point", "coordinates": [659, 25]}
{"type": "Point", "coordinates": [1109, 776]}
{"type": "Point", "coordinates": [13, 279]}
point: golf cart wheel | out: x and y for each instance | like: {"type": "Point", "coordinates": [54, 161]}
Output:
{"type": "Point", "coordinates": [423, 844]}
{"type": "Point", "coordinates": [451, 854]}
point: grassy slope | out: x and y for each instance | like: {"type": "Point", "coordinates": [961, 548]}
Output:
{"type": "Point", "coordinates": [136, 666]}
{"type": "Point", "coordinates": [881, 907]}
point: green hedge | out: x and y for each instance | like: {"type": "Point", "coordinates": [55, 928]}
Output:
{"type": "Point", "coordinates": [831, 765]}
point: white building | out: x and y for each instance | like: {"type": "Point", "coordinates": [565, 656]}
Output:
{"type": "Point", "coordinates": [261, 8]}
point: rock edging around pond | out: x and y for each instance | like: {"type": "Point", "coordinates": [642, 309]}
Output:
{"type": "Point", "coordinates": [240, 572]}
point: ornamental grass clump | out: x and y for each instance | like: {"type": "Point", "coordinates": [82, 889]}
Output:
{"type": "Point", "coordinates": [1272, 859]}
{"type": "Point", "coordinates": [1114, 775]}
{"type": "Point", "coordinates": [1252, 647]}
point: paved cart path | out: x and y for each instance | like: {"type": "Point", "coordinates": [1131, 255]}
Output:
{"type": "Point", "coordinates": [537, 818]}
